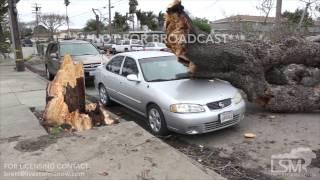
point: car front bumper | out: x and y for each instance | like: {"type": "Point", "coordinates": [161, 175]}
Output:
{"type": "Point", "coordinates": [208, 121]}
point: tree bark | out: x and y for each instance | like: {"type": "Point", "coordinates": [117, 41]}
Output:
{"type": "Point", "coordinates": [246, 64]}
{"type": "Point", "coordinates": [66, 103]}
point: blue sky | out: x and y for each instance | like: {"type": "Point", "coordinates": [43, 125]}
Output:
{"type": "Point", "coordinates": [80, 10]}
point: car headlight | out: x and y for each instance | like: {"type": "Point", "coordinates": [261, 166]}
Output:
{"type": "Point", "coordinates": [186, 108]}
{"type": "Point", "coordinates": [237, 98]}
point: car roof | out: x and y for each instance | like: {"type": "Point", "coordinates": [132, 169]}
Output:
{"type": "Point", "coordinates": [146, 54]}
{"type": "Point", "coordinates": [73, 42]}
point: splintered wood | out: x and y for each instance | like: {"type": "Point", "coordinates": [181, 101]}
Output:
{"type": "Point", "coordinates": [281, 77]}
{"type": "Point", "coordinates": [66, 103]}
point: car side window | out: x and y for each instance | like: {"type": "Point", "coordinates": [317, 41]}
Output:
{"type": "Point", "coordinates": [151, 45]}
{"type": "Point", "coordinates": [49, 50]}
{"type": "Point", "coordinates": [115, 65]}
{"type": "Point", "coordinates": [54, 48]}
{"type": "Point", "coordinates": [129, 67]}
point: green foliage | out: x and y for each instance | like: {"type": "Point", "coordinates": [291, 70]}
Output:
{"type": "Point", "coordinates": [91, 26]}
{"type": "Point", "coordinates": [3, 9]}
{"type": "Point", "coordinates": [203, 24]}
{"type": "Point", "coordinates": [293, 18]}
{"type": "Point", "coordinates": [4, 47]}
{"type": "Point", "coordinates": [161, 19]}
{"type": "Point", "coordinates": [120, 22]}
{"type": "Point", "coordinates": [133, 6]}
{"type": "Point", "coordinates": [55, 131]}
{"type": "Point", "coordinates": [148, 18]}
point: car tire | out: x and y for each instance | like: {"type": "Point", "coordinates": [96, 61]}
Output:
{"type": "Point", "coordinates": [104, 97]}
{"type": "Point", "coordinates": [156, 121]}
{"type": "Point", "coordinates": [49, 76]}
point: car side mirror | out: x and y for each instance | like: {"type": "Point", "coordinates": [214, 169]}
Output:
{"type": "Point", "coordinates": [133, 77]}
{"type": "Point", "coordinates": [54, 55]}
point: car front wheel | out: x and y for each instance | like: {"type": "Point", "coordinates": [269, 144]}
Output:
{"type": "Point", "coordinates": [104, 96]}
{"type": "Point", "coordinates": [49, 75]}
{"type": "Point", "coordinates": [156, 121]}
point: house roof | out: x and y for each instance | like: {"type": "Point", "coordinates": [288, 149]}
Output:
{"type": "Point", "coordinates": [245, 18]}
{"type": "Point", "coordinates": [71, 30]}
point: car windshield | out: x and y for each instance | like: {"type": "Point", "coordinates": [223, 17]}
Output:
{"type": "Point", "coordinates": [166, 68]}
{"type": "Point", "coordinates": [162, 45]}
{"type": "Point", "coordinates": [78, 49]}
{"type": "Point", "coordinates": [135, 41]}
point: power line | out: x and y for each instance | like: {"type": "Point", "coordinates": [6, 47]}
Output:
{"type": "Point", "coordinates": [87, 12]}
{"type": "Point", "coordinates": [36, 11]}
{"type": "Point", "coordinates": [118, 2]}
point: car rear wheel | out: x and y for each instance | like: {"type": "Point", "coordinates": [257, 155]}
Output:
{"type": "Point", "coordinates": [156, 121]}
{"type": "Point", "coordinates": [49, 75]}
{"type": "Point", "coordinates": [104, 96]}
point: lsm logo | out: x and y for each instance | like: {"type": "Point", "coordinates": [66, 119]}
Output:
{"type": "Point", "coordinates": [294, 163]}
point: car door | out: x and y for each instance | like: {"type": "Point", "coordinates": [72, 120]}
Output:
{"type": "Point", "coordinates": [56, 61]}
{"type": "Point", "coordinates": [110, 76]}
{"type": "Point", "coordinates": [51, 61]}
{"type": "Point", "coordinates": [131, 91]}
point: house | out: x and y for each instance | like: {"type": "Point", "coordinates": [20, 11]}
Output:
{"type": "Point", "coordinates": [63, 34]}
{"type": "Point", "coordinates": [252, 24]}
{"type": "Point", "coordinates": [315, 29]}
{"type": "Point", "coordinates": [243, 23]}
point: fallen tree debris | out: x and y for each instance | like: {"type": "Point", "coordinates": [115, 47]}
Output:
{"type": "Point", "coordinates": [66, 103]}
{"type": "Point", "coordinates": [249, 135]}
{"type": "Point", "coordinates": [250, 66]}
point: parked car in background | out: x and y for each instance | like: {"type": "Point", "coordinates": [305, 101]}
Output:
{"type": "Point", "coordinates": [107, 45]}
{"type": "Point", "coordinates": [156, 46]}
{"type": "Point", "coordinates": [81, 51]}
{"type": "Point", "coordinates": [26, 43]}
{"type": "Point", "coordinates": [155, 85]}
{"type": "Point", "coordinates": [128, 45]}
{"type": "Point", "coordinates": [98, 43]}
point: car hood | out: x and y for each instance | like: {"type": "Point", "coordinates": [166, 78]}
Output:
{"type": "Point", "coordinates": [195, 90]}
{"type": "Point", "coordinates": [88, 59]}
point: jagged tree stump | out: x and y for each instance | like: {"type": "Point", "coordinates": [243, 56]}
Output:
{"type": "Point", "coordinates": [246, 65]}
{"type": "Point", "coordinates": [66, 103]}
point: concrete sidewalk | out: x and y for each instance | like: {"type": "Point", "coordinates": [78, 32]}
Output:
{"type": "Point", "coordinates": [120, 152]}
{"type": "Point", "coordinates": [19, 92]}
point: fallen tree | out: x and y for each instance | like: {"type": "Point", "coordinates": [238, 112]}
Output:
{"type": "Point", "coordinates": [66, 103]}
{"type": "Point", "coordinates": [247, 65]}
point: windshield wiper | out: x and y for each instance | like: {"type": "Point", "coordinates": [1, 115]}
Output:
{"type": "Point", "coordinates": [173, 79]}
{"type": "Point", "coordinates": [159, 80]}
{"type": "Point", "coordinates": [84, 54]}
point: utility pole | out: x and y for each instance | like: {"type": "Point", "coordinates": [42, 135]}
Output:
{"type": "Point", "coordinates": [97, 22]}
{"type": "Point", "coordinates": [303, 15]}
{"type": "Point", "coordinates": [36, 11]}
{"type": "Point", "coordinates": [110, 25]}
{"type": "Point", "coordinates": [13, 15]}
{"type": "Point", "coordinates": [278, 13]}
{"type": "Point", "coordinates": [66, 3]}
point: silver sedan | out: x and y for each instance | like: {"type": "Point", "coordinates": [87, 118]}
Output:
{"type": "Point", "coordinates": [155, 85]}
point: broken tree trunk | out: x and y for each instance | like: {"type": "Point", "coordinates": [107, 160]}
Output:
{"type": "Point", "coordinates": [246, 65]}
{"type": "Point", "coordinates": [66, 103]}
